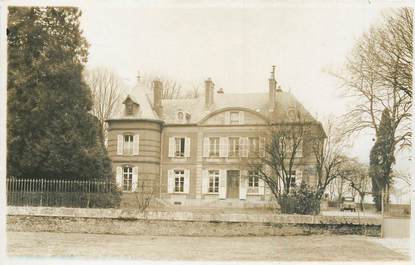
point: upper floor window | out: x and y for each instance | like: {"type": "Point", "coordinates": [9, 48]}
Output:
{"type": "Point", "coordinates": [214, 146]}
{"type": "Point", "coordinates": [128, 144]}
{"type": "Point", "coordinates": [179, 180]}
{"type": "Point", "coordinates": [180, 145]}
{"type": "Point", "coordinates": [213, 181]}
{"type": "Point", "coordinates": [234, 117]}
{"type": "Point", "coordinates": [127, 181]}
{"type": "Point", "coordinates": [233, 147]}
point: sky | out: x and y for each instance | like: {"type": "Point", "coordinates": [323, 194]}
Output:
{"type": "Point", "coordinates": [235, 44]}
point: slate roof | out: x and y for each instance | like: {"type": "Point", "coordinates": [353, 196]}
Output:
{"type": "Point", "coordinates": [257, 102]}
{"type": "Point", "coordinates": [139, 96]}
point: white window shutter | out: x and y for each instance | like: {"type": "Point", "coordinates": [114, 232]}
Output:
{"type": "Point", "coordinates": [187, 147]}
{"type": "Point", "coordinates": [261, 185]}
{"type": "Point", "coordinates": [241, 146]}
{"type": "Point", "coordinates": [172, 146]}
{"type": "Point", "coordinates": [222, 184]}
{"type": "Point", "coordinates": [186, 188]}
{"type": "Point", "coordinates": [206, 147]}
{"type": "Point", "coordinates": [205, 181]}
{"type": "Point", "coordinates": [244, 146]}
{"type": "Point", "coordinates": [262, 146]}
{"type": "Point", "coordinates": [120, 144]}
{"type": "Point", "coordinates": [170, 181]}
{"type": "Point", "coordinates": [227, 117]}
{"type": "Point", "coordinates": [299, 152]}
{"type": "Point", "coordinates": [136, 144]}
{"type": "Point", "coordinates": [134, 184]}
{"type": "Point", "coordinates": [243, 185]}
{"type": "Point", "coordinates": [223, 146]}
{"type": "Point", "coordinates": [118, 177]}
{"type": "Point", "coordinates": [298, 176]}
{"type": "Point", "coordinates": [241, 117]}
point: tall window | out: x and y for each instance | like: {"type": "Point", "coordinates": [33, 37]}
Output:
{"type": "Point", "coordinates": [253, 182]}
{"type": "Point", "coordinates": [127, 178]}
{"type": "Point", "coordinates": [128, 144]}
{"type": "Point", "coordinates": [214, 146]}
{"type": "Point", "coordinates": [292, 178]}
{"type": "Point", "coordinates": [179, 180]}
{"type": "Point", "coordinates": [253, 146]}
{"type": "Point", "coordinates": [233, 146]}
{"type": "Point", "coordinates": [213, 181]}
{"type": "Point", "coordinates": [234, 117]}
{"type": "Point", "coordinates": [179, 142]}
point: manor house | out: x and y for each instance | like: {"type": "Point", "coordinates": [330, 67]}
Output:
{"type": "Point", "coordinates": [191, 151]}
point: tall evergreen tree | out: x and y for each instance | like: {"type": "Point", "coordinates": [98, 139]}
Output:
{"type": "Point", "coordinates": [381, 158]}
{"type": "Point", "coordinates": [50, 130]}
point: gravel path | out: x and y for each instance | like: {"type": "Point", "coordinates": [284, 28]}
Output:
{"type": "Point", "coordinates": [297, 248]}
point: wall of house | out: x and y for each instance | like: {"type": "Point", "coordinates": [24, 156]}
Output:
{"type": "Point", "coordinates": [253, 126]}
{"type": "Point", "coordinates": [148, 159]}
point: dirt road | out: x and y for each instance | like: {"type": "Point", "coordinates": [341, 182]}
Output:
{"type": "Point", "coordinates": [296, 248]}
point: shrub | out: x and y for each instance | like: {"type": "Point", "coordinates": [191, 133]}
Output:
{"type": "Point", "coordinates": [301, 200]}
{"type": "Point", "coordinates": [110, 199]}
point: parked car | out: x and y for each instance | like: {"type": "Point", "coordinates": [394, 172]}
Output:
{"type": "Point", "coordinates": [348, 204]}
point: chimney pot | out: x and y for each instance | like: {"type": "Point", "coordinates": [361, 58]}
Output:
{"type": "Point", "coordinates": [157, 91]}
{"type": "Point", "coordinates": [272, 89]}
{"type": "Point", "coordinates": [209, 87]}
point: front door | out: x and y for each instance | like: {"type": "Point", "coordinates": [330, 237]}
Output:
{"type": "Point", "coordinates": [232, 184]}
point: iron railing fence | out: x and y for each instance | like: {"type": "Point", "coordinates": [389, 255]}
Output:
{"type": "Point", "coordinates": [57, 193]}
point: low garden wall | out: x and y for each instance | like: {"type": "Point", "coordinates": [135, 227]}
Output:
{"type": "Point", "coordinates": [121, 221]}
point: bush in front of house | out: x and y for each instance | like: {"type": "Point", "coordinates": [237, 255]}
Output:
{"type": "Point", "coordinates": [301, 200]}
{"type": "Point", "coordinates": [110, 199]}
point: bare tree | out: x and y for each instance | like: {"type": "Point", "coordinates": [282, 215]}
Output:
{"type": "Point", "coordinates": [194, 92]}
{"type": "Point", "coordinates": [329, 156]}
{"type": "Point", "coordinates": [378, 76]}
{"type": "Point", "coordinates": [143, 196]}
{"type": "Point", "coordinates": [276, 161]}
{"type": "Point", "coordinates": [105, 90]}
{"type": "Point", "coordinates": [171, 88]}
{"type": "Point", "coordinates": [357, 177]}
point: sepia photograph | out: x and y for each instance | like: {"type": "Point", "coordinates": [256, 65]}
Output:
{"type": "Point", "coordinates": [206, 131]}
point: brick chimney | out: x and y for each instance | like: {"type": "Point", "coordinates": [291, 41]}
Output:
{"type": "Point", "coordinates": [209, 87]}
{"type": "Point", "coordinates": [158, 90]}
{"type": "Point", "coordinates": [272, 90]}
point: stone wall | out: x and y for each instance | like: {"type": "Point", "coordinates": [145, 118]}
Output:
{"type": "Point", "coordinates": [115, 221]}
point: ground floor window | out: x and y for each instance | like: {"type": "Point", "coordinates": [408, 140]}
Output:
{"type": "Point", "coordinates": [253, 182]}
{"type": "Point", "coordinates": [213, 181]}
{"type": "Point", "coordinates": [127, 178]}
{"type": "Point", "coordinates": [179, 180]}
{"type": "Point", "coordinates": [293, 179]}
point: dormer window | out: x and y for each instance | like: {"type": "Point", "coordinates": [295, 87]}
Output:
{"type": "Point", "coordinates": [129, 107]}
{"type": "Point", "coordinates": [234, 115]}
{"type": "Point", "coordinates": [292, 114]}
{"type": "Point", "coordinates": [180, 115]}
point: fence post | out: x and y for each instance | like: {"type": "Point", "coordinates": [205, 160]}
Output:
{"type": "Point", "coordinates": [41, 192]}
{"type": "Point", "coordinates": [89, 193]}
